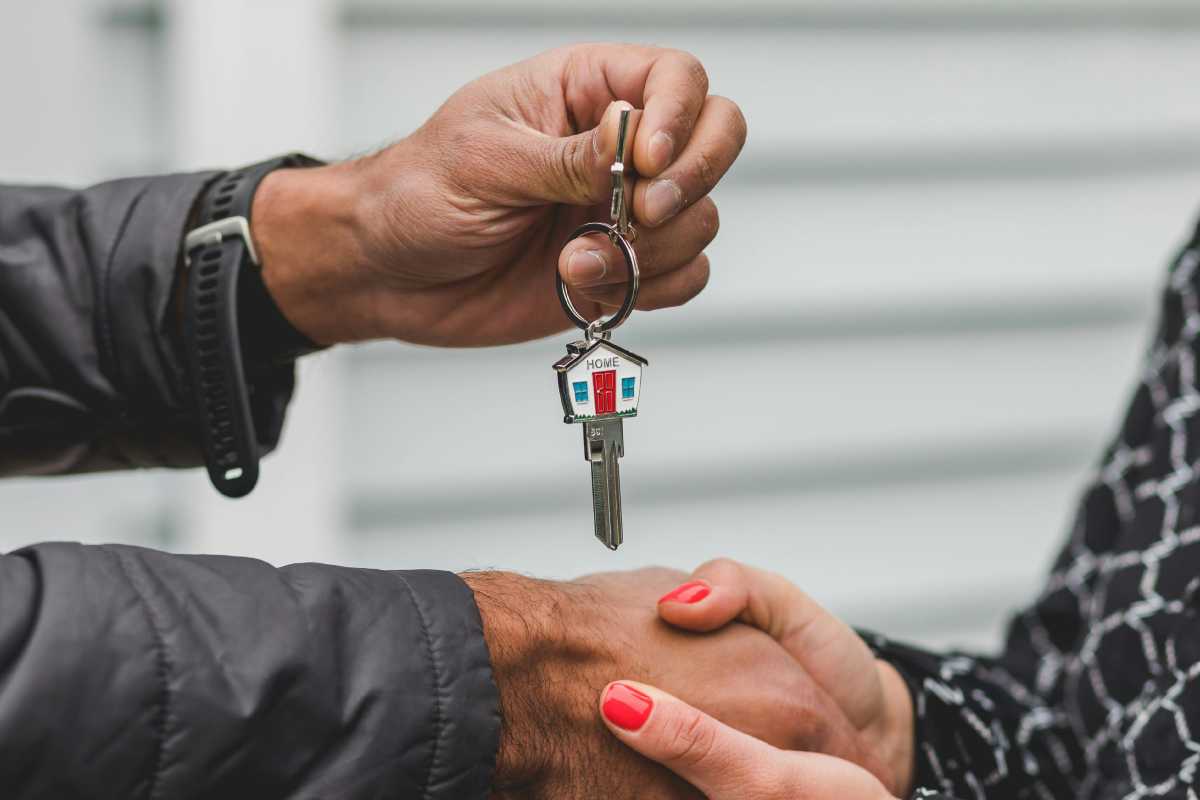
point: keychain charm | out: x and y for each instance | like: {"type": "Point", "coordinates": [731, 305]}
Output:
{"type": "Point", "coordinates": [600, 382]}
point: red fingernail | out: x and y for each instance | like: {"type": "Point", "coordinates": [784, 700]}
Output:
{"type": "Point", "coordinates": [626, 707]}
{"type": "Point", "coordinates": [690, 592]}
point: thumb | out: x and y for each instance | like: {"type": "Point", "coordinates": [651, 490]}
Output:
{"type": "Point", "coordinates": [723, 590]}
{"type": "Point", "coordinates": [575, 169]}
{"type": "Point", "coordinates": [724, 763]}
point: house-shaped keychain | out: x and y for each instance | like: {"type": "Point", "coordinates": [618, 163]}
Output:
{"type": "Point", "coordinates": [599, 380]}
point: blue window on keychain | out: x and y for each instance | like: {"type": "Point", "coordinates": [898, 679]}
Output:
{"type": "Point", "coordinates": [581, 389]}
{"type": "Point", "coordinates": [627, 388]}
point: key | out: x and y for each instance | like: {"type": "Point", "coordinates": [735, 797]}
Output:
{"type": "Point", "coordinates": [603, 446]}
{"type": "Point", "coordinates": [600, 384]}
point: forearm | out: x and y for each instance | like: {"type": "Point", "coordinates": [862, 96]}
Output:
{"type": "Point", "coordinates": [196, 676]}
{"type": "Point", "coordinates": [546, 667]}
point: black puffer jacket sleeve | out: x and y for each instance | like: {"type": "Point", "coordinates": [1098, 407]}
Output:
{"type": "Point", "coordinates": [130, 673]}
{"type": "Point", "coordinates": [91, 376]}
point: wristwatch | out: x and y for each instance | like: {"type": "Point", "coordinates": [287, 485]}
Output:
{"type": "Point", "coordinates": [233, 330]}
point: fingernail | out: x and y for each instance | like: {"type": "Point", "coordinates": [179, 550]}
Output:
{"type": "Point", "coordinates": [690, 592]}
{"type": "Point", "coordinates": [662, 149]}
{"type": "Point", "coordinates": [626, 707]}
{"type": "Point", "coordinates": [586, 266]}
{"type": "Point", "coordinates": [663, 200]}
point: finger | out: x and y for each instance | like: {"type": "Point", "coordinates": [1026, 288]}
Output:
{"type": "Point", "coordinates": [676, 87]}
{"type": "Point", "coordinates": [724, 763]}
{"type": "Point", "coordinates": [572, 169]}
{"type": "Point", "coordinates": [715, 144]}
{"type": "Point", "coordinates": [671, 85]}
{"type": "Point", "coordinates": [718, 760]}
{"type": "Point", "coordinates": [591, 260]}
{"type": "Point", "coordinates": [664, 291]}
{"type": "Point", "coordinates": [717, 593]}
{"type": "Point", "coordinates": [836, 657]}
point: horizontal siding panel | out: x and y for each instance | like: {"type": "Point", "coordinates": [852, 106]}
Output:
{"type": "Point", "coordinates": [134, 138]}
{"type": "Point", "coordinates": [130, 508]}
{"type": "Point", "coordinates": [961, 16]}
{"type": "Point", "coordinates": [832, 92]}
{"type": "Point", "coordinates": [802, 249]}
{"type": "Point", "coordinates": [434, 421]}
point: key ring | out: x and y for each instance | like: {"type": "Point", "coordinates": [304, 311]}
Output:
{"type": "Point", "coordinates": [631, 291]}
{"type": "Point", "coordinates": [621, 232]}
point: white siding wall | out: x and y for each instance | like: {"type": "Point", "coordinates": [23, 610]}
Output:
{"type": "Point", "coordinates": [936, 268]}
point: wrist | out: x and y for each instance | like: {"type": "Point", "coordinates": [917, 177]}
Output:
{"type": "Point", "coordinates": [539, 663]}
{"type": "Point", "coordinates": [306, 225]}
{"type": "Point", "coordinates": [895, 734]}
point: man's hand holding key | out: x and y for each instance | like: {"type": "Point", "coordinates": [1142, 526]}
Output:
{"type": "Point", "coordinates": [452, 235]}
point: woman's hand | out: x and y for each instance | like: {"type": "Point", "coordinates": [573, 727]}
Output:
{"type": "Point", "coordinates": [452, 235]}
{"type": "Point", "coordinates": [724, 763]}
{"type": "Point", "coordinates": [870, 692]}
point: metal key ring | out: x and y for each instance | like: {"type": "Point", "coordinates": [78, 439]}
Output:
{"type": "Point", "coordinates": [631, 290]}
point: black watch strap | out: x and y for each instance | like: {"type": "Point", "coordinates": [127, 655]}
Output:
{"type": "Point", "coordinates": [231, 325]}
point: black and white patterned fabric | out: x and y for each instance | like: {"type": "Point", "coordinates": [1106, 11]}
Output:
{"type": "Point", "coordinates": [1097, 693]}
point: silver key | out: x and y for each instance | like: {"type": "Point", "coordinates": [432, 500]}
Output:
{"type": "Point", "coordinates": [600, 384]}
{"type": "Point", "coordinates": [604, 446]}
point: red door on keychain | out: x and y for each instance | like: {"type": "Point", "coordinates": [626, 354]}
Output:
{"type": "Point", "coordinates": [604, 386]}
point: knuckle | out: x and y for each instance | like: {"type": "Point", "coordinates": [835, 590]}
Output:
{"type": "Point", "coordinates": [710, 219]}
{"type": "Point", "coordinates": [576, 58]}
{"type": "Point", "coordinates": [648, 251]}
{"type": "Point", "coordinates": [776, 779]}
{"type": "Point", "coordinates": [689, 739]}
{"type": "Point", "coordinates": [703, 271]}
{"type": "Point", "coordinates": [738, 128]}
{"type": "Point", "coordinates": [682, 119]}
{"type": "Point", "coordinates": [726, 570]}
{"type": "Point", "coordinates": [572, 166]}
{"type": "Point", "coordinates": [694, 278]}
{"type": "Point", "coordinates": [791, 785]}
{"type": "Point", "coordinates": [706, 170]}
{"type": "Point", "coordinates": [697, 74]}
{"type": "Point", "coordinates": [564, 54]}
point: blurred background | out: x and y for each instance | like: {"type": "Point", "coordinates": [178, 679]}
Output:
{"type": "Point", "coordinates": [937, 269]}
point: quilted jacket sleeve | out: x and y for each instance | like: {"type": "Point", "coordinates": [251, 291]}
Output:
{"type": "Point", "coordinates": [130, 673]}
{"type": "Point", "coordinates": [91, 377]}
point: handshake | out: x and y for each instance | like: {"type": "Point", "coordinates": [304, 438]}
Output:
{"type": "Point", "coordinates": [733, 685]}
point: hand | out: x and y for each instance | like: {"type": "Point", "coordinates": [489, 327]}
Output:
{"type": "Point", "coordinates": [722, 762]}
{"type": "Point", "coordinates": [452, 235]}
{"type": "Point", "coordinates": [554, 647]}
{"type": "Point", "coordinates": [870, 692]}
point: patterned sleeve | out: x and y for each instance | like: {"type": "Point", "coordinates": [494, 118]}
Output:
{"type": "Point", "coordinates": [983, 731]}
